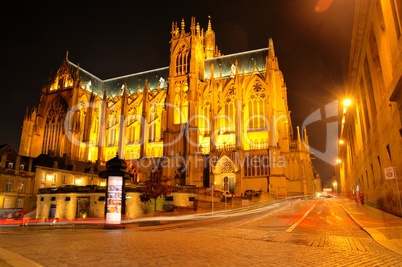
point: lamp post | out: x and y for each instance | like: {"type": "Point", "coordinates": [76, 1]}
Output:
{"type": "Point", "coordinates": [346, 103]}
{"type": "Point", "coordinates": [335, 184]}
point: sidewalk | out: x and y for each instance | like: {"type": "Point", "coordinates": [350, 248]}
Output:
{"type": "Point", "coordinates": [383, 227]}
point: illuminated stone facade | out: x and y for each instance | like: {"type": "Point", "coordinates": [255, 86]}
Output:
{"type": "Point", "coordinates": [16, 180]}
{"type": "Point", "coordinates": [207, 119]}
{"type": "Point", "coordinates": [371, 126]}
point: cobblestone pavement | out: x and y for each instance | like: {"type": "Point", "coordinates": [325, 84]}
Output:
{"type": "Point", "coordinates": [201, 246]}
{"type": "Point", "coordinates": [196, 247]}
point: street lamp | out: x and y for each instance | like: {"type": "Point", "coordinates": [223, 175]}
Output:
{"type": "Point", "coordinates": [347, 102]}
{"type": "Point", "coordinates": [335, 184]}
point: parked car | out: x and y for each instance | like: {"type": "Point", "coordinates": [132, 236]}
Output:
{"type": "Point", "coordinates": [224, 193]}
{"type": "Point", "coordinates": [227, 194]}
{"type": "Point", "coordinates": [252, 193]}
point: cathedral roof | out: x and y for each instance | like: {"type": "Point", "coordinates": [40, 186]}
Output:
{"type": "Point", "coordinates": [157, 78]}
{"type": "Point", "coordinates": [137, 80]}
{"type": "Point", "coordinates": [113, 86]}
{"type": "Point", "coordinates": [246, 60]}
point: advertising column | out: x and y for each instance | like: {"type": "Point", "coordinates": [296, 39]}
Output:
{"type": "Point", "coordinates": [114, 199]}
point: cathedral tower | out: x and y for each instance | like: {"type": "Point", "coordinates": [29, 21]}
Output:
{"type": "Point", "coordinates": [186, 72]}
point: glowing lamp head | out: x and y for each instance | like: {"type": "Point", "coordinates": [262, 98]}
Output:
{"type": "Point", "coordinates": [347, 102]}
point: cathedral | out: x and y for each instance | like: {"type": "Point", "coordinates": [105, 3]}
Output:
{"type": "Point", "coordinates": [207, 119]}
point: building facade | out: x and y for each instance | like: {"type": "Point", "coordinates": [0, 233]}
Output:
{"type": "Point", "coordinates": [208, 119]}
{"type": "Point", "coordinates": [16, 180]}
{"type": "Point", "coordinates": [371, 136]}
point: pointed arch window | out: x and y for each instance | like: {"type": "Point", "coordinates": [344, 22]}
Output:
{"type": "Point", "coordinates": [182, 61]}
{"type": "Point", "coordinates": [112, 124]}
{"type": "Point", "coordinates": [227, 166]}
{"type": "Point", "coordinates": [152, 124]}
{"type": "Point", "coordinates": [204, 121]}
{"type": "Point", "coordinates": [180, 103]}
{"type": "Point", "coordinates": [54, 127]}
{"type": "Point", "coordinates": [133, 126]}
{"type": "Point", "coordinates": [257, 108]}
{"type": "Point", "coordinates": [229, 119]}
{"type": "Point", "coordinates": [131, 133]}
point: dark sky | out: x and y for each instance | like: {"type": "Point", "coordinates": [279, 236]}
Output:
{"type": "Point", "coordinates": [311, 39]}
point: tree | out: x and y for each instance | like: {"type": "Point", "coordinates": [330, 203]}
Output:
{"type": "Point", "coordinates": [155, 187]}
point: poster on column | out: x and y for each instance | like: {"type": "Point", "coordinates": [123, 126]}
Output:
{"type": "Point", "coordinates": [114, 199]}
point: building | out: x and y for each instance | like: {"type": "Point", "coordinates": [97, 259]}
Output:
{"type": "Point", "coordinates": [16, 180]}
{"type": "Point", "coordinates": [371, 133]}
{"type": "Point", "coordinates": [208, 119]}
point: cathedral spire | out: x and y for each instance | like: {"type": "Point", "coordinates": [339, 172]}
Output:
{"type": "Point", "coordinates": [298, 138]}
{"type": "Point", "coordinates": [209, 24]}
{"type": "Point", "coordinates": [192, 27]}
{"type": "Point", "coordinates": [210, 49]}
{"type": "Point", "coordinates": [271, 48]}
{"type": "Point", "coordinates": [305, 137]}
{"type": "Point", "coordinates": [182, 27]}
{"type": "Point", "coordinates": [271, 61]}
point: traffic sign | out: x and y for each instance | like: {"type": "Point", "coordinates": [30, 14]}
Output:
{"type": "Point", "coordinates": [390, 173]}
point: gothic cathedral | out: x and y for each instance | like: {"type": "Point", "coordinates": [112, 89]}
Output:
{"type": "Point", "coordinates": [207, 119]}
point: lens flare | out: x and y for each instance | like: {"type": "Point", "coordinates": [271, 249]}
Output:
{"type": "Point", "coordinates": [323, 5]}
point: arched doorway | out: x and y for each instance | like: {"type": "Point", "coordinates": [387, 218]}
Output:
{"type": "Point", "coordinates": [224, 173]}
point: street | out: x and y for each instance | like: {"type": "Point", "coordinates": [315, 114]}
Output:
{"type": "Point", "coordinates": [311, 232]}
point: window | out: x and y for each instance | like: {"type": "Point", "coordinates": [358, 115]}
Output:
{"type": "Point", "coordinates": [204, 122]}
{"type": "Point", "coordinates": [180, 103]}
{"type": "Point", "coordinates": [379, 166]}
{"type": "Point", "coordinates": [20, 203]}
{"type": "Point", "coordinates": [21, 186]}
{"type": "Point", "coordinates": [43, 177]}
{"type": "Point", "coordinates": [182, 60]}
{"type": "Point", "coordinates": [22, 167]}
{"type": "Point", "coordinates": [229, 118]}
{"type": "Point", "coordinates": [54, 180]}
{"type": "Point", "coordinates": [9, 187]}
{"type": "Point", "coordinates": [67, 199]}
{"type": "Point", "coordinates": [64, 179]}
{"type": "Point", "coordinates": [54, 127]}
{"type": "Point", "coordinates": [132, 126]}
{"type": "Point", "coordinates": [389, 153]}
{"type": "Point", "coordinates": [257, 108]}
{"type": "Point", "coordinates": [152, 125]}
{"type": "Point", "coordinates": [10, 165]}
{"type": "Point", "coordinates": [112, 129]}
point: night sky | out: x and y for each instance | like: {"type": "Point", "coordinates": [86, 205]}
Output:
{"type": "Point", "coordinates": [311, 39]}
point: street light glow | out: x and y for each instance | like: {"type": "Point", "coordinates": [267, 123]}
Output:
{"type": "Point", "coordinates": [347, 102]}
